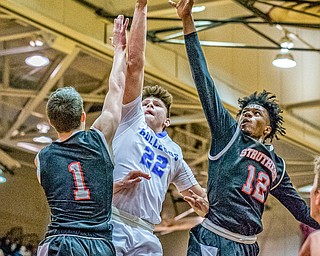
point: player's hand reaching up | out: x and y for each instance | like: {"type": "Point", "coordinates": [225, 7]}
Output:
{"type": "Point", "coordinates": [130, 180]}
{"type": "Point", "coordinates": [184, 7]}
{"type": "Point", "coordinates": [142, 3]}
{"type": "Point", "coordinates": [119, 31]}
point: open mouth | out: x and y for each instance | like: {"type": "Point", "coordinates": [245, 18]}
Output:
{"type": "Point", "coordinates": [149, 112]}
{"type": "Point", "coordinates": [245, 121]}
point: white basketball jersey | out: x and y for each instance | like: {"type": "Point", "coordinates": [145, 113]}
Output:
{"type": "Point", "coordinates": [137, 147]}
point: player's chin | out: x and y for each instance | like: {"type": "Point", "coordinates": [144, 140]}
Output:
{"type": "Point", "coordinates": [246, 131]}
{"type": "Point", "coordinates": [148, 117]}
{"type": "Point", "coordinates": [150, 120]}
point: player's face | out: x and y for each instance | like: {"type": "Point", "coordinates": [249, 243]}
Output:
{"type": "Point", "coordinates": [255, 122]}
{"type": "Point", "coordinates": [155, 113]}
{"type": "Point", "coordinates": [315, 199]}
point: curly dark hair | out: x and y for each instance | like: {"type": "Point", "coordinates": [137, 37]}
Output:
{"type": "Point", "coordinates": [269, 102]}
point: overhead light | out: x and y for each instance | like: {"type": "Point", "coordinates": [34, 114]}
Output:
{"type": "Point", "coordinates": [37, 41]}
{"type": "Point", "coordinates": [42, 139]}
{"type": "Point", "coordinates": [305, 189]}
{"type": "Point", "coordinates": [200, 23]}
{"type": "Point", "coordinates": [43, 127]}
{"type": "Point", "coordinates": [2, 179]}
{"type": "Point", "coordinates": [198, 8]}
{"type": "Point", "coordinates": [37, 61]}
{"type": "Point", "coordinates": [29, 146]}
{"type": "Point", "coordinates": [284, 59]}
{"type": "Point", "coordinates": [286, 42]}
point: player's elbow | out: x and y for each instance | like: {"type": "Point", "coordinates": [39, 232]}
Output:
{"type": "Point", "coordinates": [135, 63]}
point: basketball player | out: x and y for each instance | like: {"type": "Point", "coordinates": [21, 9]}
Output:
{"type": "Point", "coordinates": [311, 246]}
{"type": "Point", "coordinates": [76, 170]}
{"type": "Point", "coordinates": [243, 169]}
{"type": "Point", "coordinates": [141, 143]}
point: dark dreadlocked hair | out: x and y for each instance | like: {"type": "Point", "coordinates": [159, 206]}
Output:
{"type": "Point", "coordinates": [269, 102]}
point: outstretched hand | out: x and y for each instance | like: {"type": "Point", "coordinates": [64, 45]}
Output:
{"type": "Point", "coordinates": [198, 203]}
{"type": "Point", "coordinates": [130, 180]}
{"type": "Point", "coordinates": [184, 7]}
{"type": "Point", "coordinates": [119, 37]}
{"type": "Point", "coordinates": [142, 2]}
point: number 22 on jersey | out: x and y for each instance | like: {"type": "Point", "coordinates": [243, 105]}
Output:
{"type": "Point", "coordinates": [81, 192]}
{"type": "Point", "coordinates": [262, 184]}
{"type": "Point", "coordinates": [155, 163]}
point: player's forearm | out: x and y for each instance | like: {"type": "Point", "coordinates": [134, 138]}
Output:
{"type": "Point", "coordinates": [117, 186]}
{"type": "Point", "coordinates": [136, 54]}
{"type": "Point", "coordinates": [137, 39]}
{"type": "Point", "coordinates": [119, 68]}
{"type": "Point", "coordinates": [217, 116]}
{"type": "Point", "coordinates": [117, 76]}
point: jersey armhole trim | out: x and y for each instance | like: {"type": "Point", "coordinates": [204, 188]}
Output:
{"type": "Point", "coordinates": [281, 178]}
{"type": "Point", "coordinates": [38, 168]}
{"type": "Point", "coordinates": [216, 157]}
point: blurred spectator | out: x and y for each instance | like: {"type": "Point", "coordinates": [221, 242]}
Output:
{"type": "Point", "coordinates": [311, 246]}
{"type": "Point", "coordinates": [15, 243]}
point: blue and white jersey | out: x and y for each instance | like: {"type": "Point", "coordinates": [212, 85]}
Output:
{"type": "Point", "coordinates": [137, 147]}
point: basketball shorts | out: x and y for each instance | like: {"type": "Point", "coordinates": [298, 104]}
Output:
{"type": "Point", "coordinates": [133, 240]}
{"type": "Point", "coordinates": [203, 242]}
{"type": "Point", "coordinates": [74, 245]}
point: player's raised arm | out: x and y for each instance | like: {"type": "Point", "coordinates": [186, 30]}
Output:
{"type": "Point", "coordinates": [110, 117]}
{"type": "Point", "coordinates": [136, 52]}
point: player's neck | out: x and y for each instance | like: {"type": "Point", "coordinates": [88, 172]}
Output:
{"type": "Point", "coordinates": [66, 135]}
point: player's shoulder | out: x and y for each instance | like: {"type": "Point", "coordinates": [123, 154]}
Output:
{"type": "Point", "coordinates": [171, 144]}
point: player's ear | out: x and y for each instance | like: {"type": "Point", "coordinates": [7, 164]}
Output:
{"type": "Point", "coordinates": [317, 197]}
{"type": "Point", "coordinates": [167, 122]}
{"type": "Point", "coordinates": [267, 130]}
{"type": "Point", "coordinates": [83, 116]}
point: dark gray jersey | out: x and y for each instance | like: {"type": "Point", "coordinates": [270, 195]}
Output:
{"type": "Point", "coordinates": [240, 179]}
{"type": "Point", "coordinates": [242, 171]}
{"type": "Point", "coordinates": [77, 177]}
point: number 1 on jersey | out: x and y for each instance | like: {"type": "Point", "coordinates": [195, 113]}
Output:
{"type": "Point", "coordinates": [81, 192]}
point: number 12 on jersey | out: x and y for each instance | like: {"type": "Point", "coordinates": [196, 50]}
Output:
{"type": "Point", "coordinates": [262, 184]}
